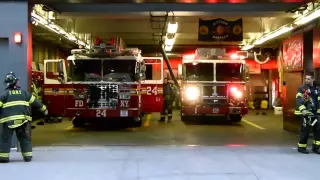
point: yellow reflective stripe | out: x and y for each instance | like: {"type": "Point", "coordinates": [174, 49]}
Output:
{"type": "Point", "coordinates": [318, 98]}
{"type": "Point", "coordinates": [27, 154]}
{"type": "Point", "coordinates": [43, 108]}
{"type": "Point", "coordinates": [1, 103]}
{"type": "Point", "coordinates": [302, 107]}
{"type": "Point", "coordinates": [316, 142]}
{"type": "Point", "coordinates": [32, 99]}
{"type": "Point", "coordinates": [299, 95]}
{"type": "Point", "coordinates": [4, 155]}
{"type": "Point", "coordinates": [15, 117]}
{"type": "Point", "coordinates": [15, 125]}
{"type": "Point", "coordinates": [163, 116]}
{"type": "Point", "coordinates": [15, 103]}
{"type": "Point", "coordinates": [169, 114]}
{"type": "Point", "coordinates": [318, 111]}
{"type": "Point", "coordinates": [299, 112]}
{"type": "Point", "coordinates": [302, 145]}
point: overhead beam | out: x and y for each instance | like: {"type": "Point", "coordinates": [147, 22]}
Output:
{"type": "Point", "coordinates": [146, 7]}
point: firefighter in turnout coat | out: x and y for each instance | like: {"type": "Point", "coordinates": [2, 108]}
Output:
{"type": "Point", "coordinates": [169, 94]}
{"type": "Point", "coordinates": [308, 112]}
{"type": "Point", "coordinates": [15, 116]}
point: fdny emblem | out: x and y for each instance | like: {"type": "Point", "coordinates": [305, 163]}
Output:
{"type": "Point", "coordinates": [55, 91]}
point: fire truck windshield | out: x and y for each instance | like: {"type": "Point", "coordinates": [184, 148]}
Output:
{"type": "Point", "coordinates": [84, 70]}
{"type": "Point", "coordinates": [198, 72]}
{"type": "Point", "coordinates": [119, 70]}
{"type": "Point", "coordinates": [230, 72]}
{"type": "Point", "coordinates": [90, 70]}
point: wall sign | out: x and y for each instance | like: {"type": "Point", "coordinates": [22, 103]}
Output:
{"type": "Point", "coordinates": [220, 30]}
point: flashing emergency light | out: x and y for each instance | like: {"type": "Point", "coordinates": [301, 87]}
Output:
{"type": "Point", "coordinates": [235, 92]}
{"type": "Point", "coordinates": [233, 89]}
{"type": "Point", "coordinates": [17, 37]}
{"type": "Point", "coordinates": [172, 27]}
{"type": "Point", "coordinates": [192, 93]}
{"type": "Point", "coordinates": [188, 57]}
{"type": "Point", "coordinates": [234, 56]}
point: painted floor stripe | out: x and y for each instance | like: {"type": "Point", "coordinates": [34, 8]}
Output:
{"type": "Point", "coordinates": [147, 122]}
{"type": "Point", "coordinates": [253, 124]}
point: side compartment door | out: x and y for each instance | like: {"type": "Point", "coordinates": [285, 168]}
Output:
{"type": "Point", "coordinates": [151, 87]}
{"type": "Point", "coordinates": [54, 86]}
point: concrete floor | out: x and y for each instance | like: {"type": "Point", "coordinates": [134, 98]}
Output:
{"type": "Point", "coordinates": [254, 130]}
{"type": "Point", "coordinates": [257, 148]}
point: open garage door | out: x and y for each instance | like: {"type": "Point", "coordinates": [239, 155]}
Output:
{"type": "Point", "coordinates": [87, 34]}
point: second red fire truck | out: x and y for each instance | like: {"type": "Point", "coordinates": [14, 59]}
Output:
{"type": "Point", "coordinates": [213, 84]}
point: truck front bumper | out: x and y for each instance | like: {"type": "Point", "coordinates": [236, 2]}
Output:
{"type": "Point", "coordinates": [195, 110]}
{"type": "Point", "coordinates": [103, 113]}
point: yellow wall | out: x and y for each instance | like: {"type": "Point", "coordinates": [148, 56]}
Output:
{"type": "Point", "coordinates": [42, 51]}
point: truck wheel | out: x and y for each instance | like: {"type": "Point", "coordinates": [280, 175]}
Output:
{"type": "Point", "coordinates": [137, 123]}
{"type": "Point", "coordinates": [77, 122]}
{"type": "Point", "coordinates": [185, 118]}
{"type": "Point", "coordinates": [235, 118]}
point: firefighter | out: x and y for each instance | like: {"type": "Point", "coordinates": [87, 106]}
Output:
{"type": "Point", "coordinates": [15, 116]}
{"type": "Point", "coordinates": [169, 94]}
{"type": "Point", "coordinates": [307, 105]}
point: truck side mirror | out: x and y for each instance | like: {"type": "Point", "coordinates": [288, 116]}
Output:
{"type": "Point", "coordinates": [61, 78]}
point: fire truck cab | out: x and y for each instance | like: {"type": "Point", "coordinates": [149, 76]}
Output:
{"type": "Point", "coordinates": [213, 84]}
{"type": "Point", "coordinates": [96, 84]}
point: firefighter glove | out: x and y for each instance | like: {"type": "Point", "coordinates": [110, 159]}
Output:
{"type": "Point", "coordinates": [304, 112]}
{"type": "Point", "coordinates": [46, 112]}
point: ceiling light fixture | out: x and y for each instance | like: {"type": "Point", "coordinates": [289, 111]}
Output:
{"type": "Point", "coordinates": [57, 29]}
{"type": "Point", "coordinates": [284, 29]}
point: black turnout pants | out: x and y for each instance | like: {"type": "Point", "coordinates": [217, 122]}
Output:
{"type": "Point", "coordinates": [23, 135]}
{"type": "Point", "coordinates": [304, 134]}
{"type": "Point", "coordinates": [167, 105]}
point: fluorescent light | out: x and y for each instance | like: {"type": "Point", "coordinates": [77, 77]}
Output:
{"type": "Point", "coordinates": [307, 18]}
{"type": "Point", "coordinates": [168, 47]}
{"type": "Point", "coordinates": [169, 41]}
{"type": "Point", "coordinates": [247, 47]}
{"type": "Point", "coordinates": [273, 34]}
{"type": "Point", "coordinates": [57, 29]}
{"type": "Point", "coordinates": [284, 29]}
{"type": "Point", "coordinates": [172, 27]}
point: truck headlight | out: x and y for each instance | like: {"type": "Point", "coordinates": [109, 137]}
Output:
{"type": "Point", "coordinates": [192, 93]}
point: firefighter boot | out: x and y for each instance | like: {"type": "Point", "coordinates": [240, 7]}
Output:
{"type": "Point", "coordinates": [162, 119]}
{"type": "Point", "coordinates": [27, 158]}
{"type": "Point", "coordinates": [303, 150]}
{"type": "Point", "coordinates": [4, 160]}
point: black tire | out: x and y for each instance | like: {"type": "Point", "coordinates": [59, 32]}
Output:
{"type": "Point", "coordinates": [137, 124]}
{"type": "Point", "coordinates": [78, 122]}
{"type": "Point", "coordinates": [235, 118]}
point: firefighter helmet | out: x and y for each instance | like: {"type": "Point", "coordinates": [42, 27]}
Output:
{"type": "Point", "coordinates": [11, 79]}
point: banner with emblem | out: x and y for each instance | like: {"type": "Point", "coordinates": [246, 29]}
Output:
{"type": "Point", "coordinates": [220, 30]}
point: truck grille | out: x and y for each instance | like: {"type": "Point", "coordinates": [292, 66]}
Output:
{"type": "Point", "coordinates": [214, 95]}
{"type": "Point", "coordinates": [102, 95]}
{"type": "Point", "coordinates": [215, 102]}
{"type": "Point", "coordinates": [214, 91]}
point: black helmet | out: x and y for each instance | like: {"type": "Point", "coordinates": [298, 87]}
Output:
{"type": "Point", "coordinates": [11, 79]}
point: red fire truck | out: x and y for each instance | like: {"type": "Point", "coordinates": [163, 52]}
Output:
{"type": "Point", "coordinates": [213, 84]}
{"type": "Point", "coordinates": [106, 82]}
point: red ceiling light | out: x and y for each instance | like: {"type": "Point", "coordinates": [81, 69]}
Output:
{"type": "Point", "coordinates": [17, 37]}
